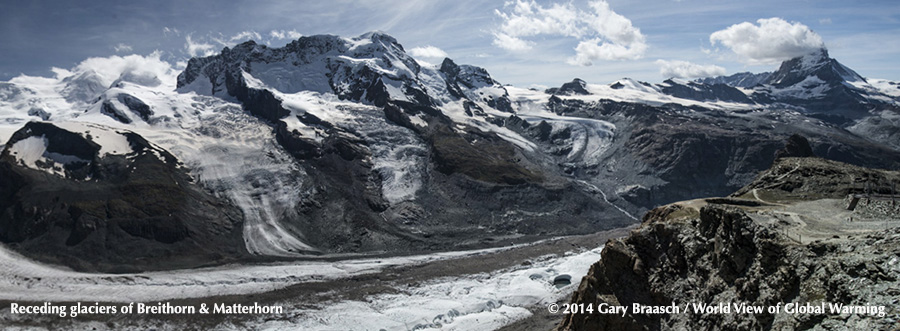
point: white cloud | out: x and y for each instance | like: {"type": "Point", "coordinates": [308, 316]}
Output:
{"type": "Point", "coordinates": [243, 36]}
{"type": "Point", "coordinates": [770, 41]}
{"type": "Point", "coordinates": [428, 52]}
{"type": "Point", "coordinates": [510, 43]}
{"type": "Point", "coordinates": [197, 48]}
{"type": "Point", "coordinates": [206, 45]}
{"type": "Point", "coordinates": [238, 38]}
{"type": "Point", "coordinates": [61, 73]}
{"type": "Point", "coordinates": [612, 26]}
{"type": "Point", "coordinates": [148, 70]}
{"type": "Point", "coordinates": [590, 50]}
{"type": "Point", "coordinates": [531, 19]}
{"type": "Point", "coordinates": [684, 69]}
{"type": "Point", "coordinates": [825, 21]}
{"type": "Point", "coordinates": [122, 48]}
{"type": "Point", "coordinates": [101, 72]}
{"type": "Point", "coordinates": [173, 31]}
{"type": "Point", "coordinates": [602, 33]}
{"type": "Point", "coordinates": [282, 34]}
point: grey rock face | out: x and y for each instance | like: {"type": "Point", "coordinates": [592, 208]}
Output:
{"type": "Point", "coordinates": [796, 146]}
{"type": "Point", "coordinates": [576, 86]}
{"type": "Point", "coordinates": [136, 106]}
{"type": "Point", "coordinates": [109, 109]}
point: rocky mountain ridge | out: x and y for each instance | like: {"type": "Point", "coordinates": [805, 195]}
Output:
{"type": "Point", "coordinates": [741, 79]}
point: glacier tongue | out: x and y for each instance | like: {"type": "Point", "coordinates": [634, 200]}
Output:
{"type": "Point", "coordinates": [589, 137]}
{"type": "Point", "coordinates": [236, 156]}
{"type": "Point", "coordinates": [265, 186]}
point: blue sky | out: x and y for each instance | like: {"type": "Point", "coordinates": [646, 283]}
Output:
{"type": "Point", "coordinates": [519, 42]}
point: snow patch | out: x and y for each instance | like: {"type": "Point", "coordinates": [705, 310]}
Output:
{"type": "Point", "coordinates": [32, 153]}
{"type": "Point", "coordinates": [110, 141]}
{"type": "Point", "coordinates": [29, 150]}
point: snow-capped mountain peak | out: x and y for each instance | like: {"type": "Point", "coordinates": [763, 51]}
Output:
{"type": "Point", "coordinates": [817, 64]}
{"type": "Point", "coordinates": [321, 63]}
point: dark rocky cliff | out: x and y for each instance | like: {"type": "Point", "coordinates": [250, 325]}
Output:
{"type": "Point", "coordinates": [732, 250]}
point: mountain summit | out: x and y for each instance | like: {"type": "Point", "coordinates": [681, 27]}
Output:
{"type": "Point", "coordinates": [817, 66]}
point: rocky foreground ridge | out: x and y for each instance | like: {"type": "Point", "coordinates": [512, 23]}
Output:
{"type": "Point", "coordinates": [788, 237]}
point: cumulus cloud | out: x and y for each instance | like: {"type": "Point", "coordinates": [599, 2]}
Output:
{"type": "Point", "coordinates": [609, 24]}
{"type": "Point", "coordinates": [590, 50]}
{"type": "Point", "coordinates": [684, 69]}
{"type": "Point", "coordinates": [195, 48]}
{"type": "Point", "coordinates": [85, 81]}
{"type": "Point", "coordinates": [769, 41]}
{"type": "Point", "coordinates": [122, 48]}
{"type": "Point", "coordinates": [149, 70]}
{"type": "Point", "coordinates": [602, 33]}
{"type": "Point", "coordinates": [528, 19]}
{"type": "Point", "coordinates": [511, 43]}
{"type": "Point", "coordinates": [282, 34]}
{"type": "Point", "coordinates": [114, 67]}
{"type": "Point", "coordinates": [429, 52]}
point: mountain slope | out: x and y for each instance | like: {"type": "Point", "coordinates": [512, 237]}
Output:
{"type": "Point", "coordinates": [93, 198]}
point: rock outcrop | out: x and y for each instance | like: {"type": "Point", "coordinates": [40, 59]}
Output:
{"type": "Point", "coordinates": [123, 211]}
{"type": "Point", "coordinates": [575, 87]}
{"type": "Point", "coordinates": [796, 146]}
{"type": "Point", "coordinates": [739, 251]}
